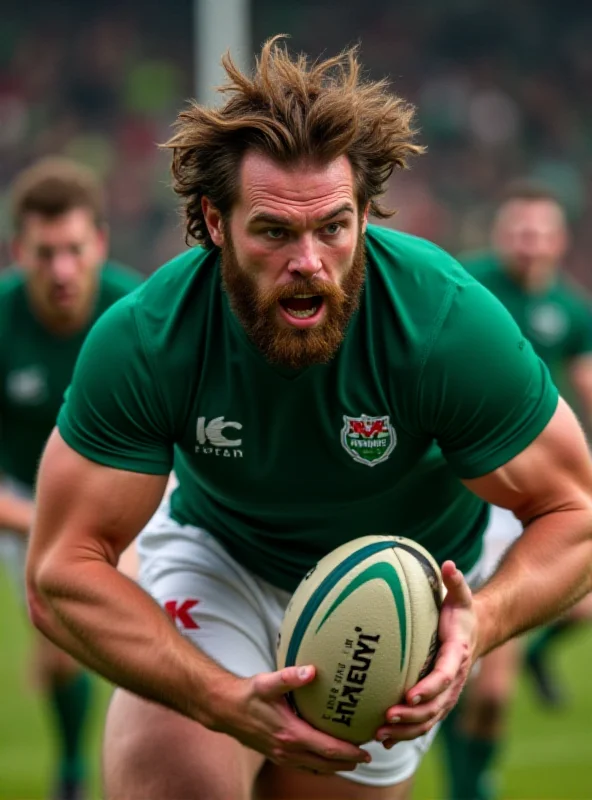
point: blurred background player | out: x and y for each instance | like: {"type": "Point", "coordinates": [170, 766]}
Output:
{"type": "Point", "coordinates": [502, 89]}
{"type": "Point", "coordinates": [59, 285]}
{"type": "Point", "coordinates": [522, 269]}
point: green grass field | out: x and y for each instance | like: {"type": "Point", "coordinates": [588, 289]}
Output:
{"type": "Point", "coordinates": [548, 756]}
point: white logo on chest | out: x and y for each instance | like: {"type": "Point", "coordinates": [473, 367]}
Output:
{"type": "Point", "coordinates": [212, 439]}
{"type": "Point", "coordinates": [27, 386]}
{"type": "Point", "coordinates": [548, 323]}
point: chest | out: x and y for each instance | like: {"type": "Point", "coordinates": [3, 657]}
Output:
{"type": "Point", "coordinates": [36, 371]}
{"type": "Point", "coordinates": [331, 430]}
{"type": "Point", "coordinates": [547, 323]}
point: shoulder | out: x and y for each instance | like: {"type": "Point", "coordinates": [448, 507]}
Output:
{"type": "Point", "coordinates": [162, 291]}
{"type": "Point", "coordinates": [412, 270]}
{"type": "Point", "coordinates": [430, 291]}
{"type": "Point", "coordinates": [480, 263]}
{"type": "Point", "coordinates": [416, 292]}
{"type": "Point", "coordinates": [118, 280]}
{"type": "Point", "coordinates": [169, 307]}
{"type": "Point", "coordinates": [403, 248]}
{"type": "Point", "coordinates": [170, 285]}
{"type": "Point", "coordinates": [151, 337]}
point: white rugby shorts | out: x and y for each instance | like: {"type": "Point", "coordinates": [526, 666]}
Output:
{"type": "Point", "coordinates": [503, 530]}
{"type": "Point", "coordinates": [234, 616]}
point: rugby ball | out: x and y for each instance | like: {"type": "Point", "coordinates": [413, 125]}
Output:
{"type": "Point", "coordinates": [366, 616]}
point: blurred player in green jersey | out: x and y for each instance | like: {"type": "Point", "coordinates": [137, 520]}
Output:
{"type": "Point", "coordinates": [61, 282]}
{"type": "Point", "coordinates": [312, 378]}
{"type": "Point", "coordinates": [523, 270]}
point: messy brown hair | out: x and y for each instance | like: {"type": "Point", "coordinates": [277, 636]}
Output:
{"type": "Point", "coordinates": [52, 187]}
{"type": "Point", "coordinates": [289, 109]}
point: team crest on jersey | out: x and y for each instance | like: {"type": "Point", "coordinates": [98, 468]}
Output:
{"type": "Point", "coordinates": [368, 440]}
{"type": "Point", "coordinates": [27, 386]}
{"type": "Point", "coordinates": [548, 323]}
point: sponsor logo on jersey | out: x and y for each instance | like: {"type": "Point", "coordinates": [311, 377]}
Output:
{"type": "Point", "coordinates": [548, 323]}
{"type": "Point", "coordinates": [27, 386]}
{"type": "Point", "coordinates": [212, 438]}
{"type": "Point", "coordinates": [368, 440]}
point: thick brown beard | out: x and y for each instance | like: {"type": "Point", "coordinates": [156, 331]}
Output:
{"type": "Point", "coordinates": [293, 347]}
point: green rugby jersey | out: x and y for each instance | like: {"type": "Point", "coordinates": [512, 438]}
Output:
{"type": "Point", "coordinates": [36, 367]}
{"type": "Point", "coordinates": [557, 321]}
{"type": "Point", "coordinates": [283, 466]}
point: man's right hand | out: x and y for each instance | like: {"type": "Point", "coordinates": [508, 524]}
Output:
{"type": "Point", "coordinates": [255, 712]}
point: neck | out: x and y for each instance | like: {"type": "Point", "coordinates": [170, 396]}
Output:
{"type": "Point", "coordinates": [62, 324]}
{"type": "Point", "coordinates": [533, 283]}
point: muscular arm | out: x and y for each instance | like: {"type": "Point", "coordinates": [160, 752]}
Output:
{"type": "Point", "coordinates": [549, 488]}
{"type": "Point", "coordinates": [87, 515]}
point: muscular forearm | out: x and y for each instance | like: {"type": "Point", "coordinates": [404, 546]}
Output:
{"type": "Point", "coordinates": [106, 621]}
{"type": "Point", "coordinates": [16, 514]}
{"type": "Point", "coordinates": [545, 572]}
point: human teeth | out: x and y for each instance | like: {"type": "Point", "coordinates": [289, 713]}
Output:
{"type": "Point", "coordinates": [302, 314]}
{"type": "Point", "coordinates": [303, 296]}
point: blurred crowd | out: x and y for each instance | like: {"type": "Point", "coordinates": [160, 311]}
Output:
{"type": "Point", "coordinates": [502, 91]}
{"type": "Point", "coordinates": [101, 82]}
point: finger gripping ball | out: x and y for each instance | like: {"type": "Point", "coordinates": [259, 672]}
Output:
{"type": "Point", "coordinates": [366, 616]}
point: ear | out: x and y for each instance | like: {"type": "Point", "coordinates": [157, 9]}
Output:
{"type": "Point", "coordinates": [213, 220]}
{"type": "Point", "coordinates": [365, 214]}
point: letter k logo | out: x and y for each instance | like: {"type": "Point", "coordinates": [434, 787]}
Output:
{"type": "Point", "coordinates": [180, 613]}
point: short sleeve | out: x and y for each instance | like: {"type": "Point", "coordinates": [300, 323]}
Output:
{"type": "Point", "coordinates": [483, 393]}
{"type": "Point", "coordinates": [113, 413]}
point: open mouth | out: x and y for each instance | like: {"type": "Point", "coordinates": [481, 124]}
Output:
{"type": "Point", "coordinates": [302, 306]}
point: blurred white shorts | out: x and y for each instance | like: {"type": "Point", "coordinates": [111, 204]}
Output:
{"type": "Point", "coordinates": [234, 617]}
{"type": "Point", "coordinates": [501, 533]}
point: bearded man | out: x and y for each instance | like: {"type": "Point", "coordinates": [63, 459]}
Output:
{"type": "Point", "coordinates": [247, 364]}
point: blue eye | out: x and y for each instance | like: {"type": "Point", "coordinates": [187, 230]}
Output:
{"type": "Point", "coordinates": [333, 228]}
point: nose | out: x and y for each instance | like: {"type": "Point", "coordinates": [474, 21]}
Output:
{"type": "Point", "coordinates": [63, 267]}
{"type": "Point", "coordinates": [305, 260]}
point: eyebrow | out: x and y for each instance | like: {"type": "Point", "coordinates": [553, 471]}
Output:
{"type": "Point", "coordinates": [273, 219]}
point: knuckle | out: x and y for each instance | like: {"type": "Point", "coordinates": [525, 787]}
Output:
{"type": "Point", "coordinates": [330, 753]}
{"type": "Point", "coordinates": [285, 738]}
{"type": "Point", "coordinates": [445, 676]}
{"type": "Point", "coordinates": [277, 754]}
